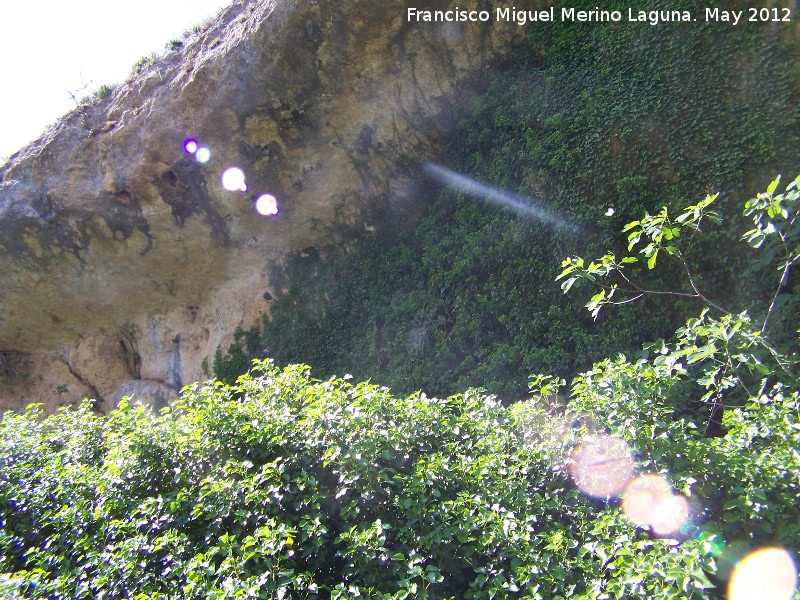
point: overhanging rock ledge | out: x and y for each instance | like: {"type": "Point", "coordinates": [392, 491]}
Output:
{"type": "Point", "coordinates": [123, 258]}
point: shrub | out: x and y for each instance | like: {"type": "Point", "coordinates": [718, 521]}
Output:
{"type": "Point", "coordinates": [283, 486]}
{"type": "Point", "coordinates": [104, 91]}
{"type": "Point", "coordinates": [144, 63]}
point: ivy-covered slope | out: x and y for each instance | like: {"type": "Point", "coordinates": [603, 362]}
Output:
{"type": "Point", "coordinates": [584, 118]}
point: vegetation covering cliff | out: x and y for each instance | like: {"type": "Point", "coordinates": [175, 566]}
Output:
{"type": "Point", "coordinates": [595, 122]}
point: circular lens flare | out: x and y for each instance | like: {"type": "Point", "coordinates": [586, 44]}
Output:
{"type": "Point", "coordinates": [233, 180]}
{"type": "Point", "coordinates": [765, 573]}
{"type": "Point", "coordinates": [649, 501]}
{"type": "Point", "coordinates": [642, 496]}
{"type": "Point", "coordinates": [670, 514]}
{"type": "Point", "coordinates": [731, 556]}
{"type": "Point", "coordinates": [190, 146]}
{"type": "Point", "coordinates": [202, 155]}
{"type": "Point", "coordinates": [712, 544]}
{"type": "Point", "coordinates": [267, 205]}
{"type": "Point", "coordinates": [602, 467]}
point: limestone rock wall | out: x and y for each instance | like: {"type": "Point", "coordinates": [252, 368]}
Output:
{"type": "Point", "coordinates": [123, 257]}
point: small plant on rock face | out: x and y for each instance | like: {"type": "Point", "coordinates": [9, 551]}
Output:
{"type": "Point", "coordinates": [104, 91]}
{"type": "Point", "coordinates": [143, 64]}
{"type": "Point", "coordinates": [5, 363]}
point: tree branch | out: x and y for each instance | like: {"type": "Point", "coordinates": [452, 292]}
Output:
{"type": "Point", "coordinates": [693, 283]}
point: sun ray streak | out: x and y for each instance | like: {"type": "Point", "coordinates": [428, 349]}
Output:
{"type": "Point", "coordinates": [470, 187]}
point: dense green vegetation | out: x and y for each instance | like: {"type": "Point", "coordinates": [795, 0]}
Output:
{"type": "Point", "coordinates": [582, 118]}
{"type": "Point", "coordinates": [283, 486]}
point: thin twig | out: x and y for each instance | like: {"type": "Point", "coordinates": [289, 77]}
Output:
{"type": "Point", "coordinates": [784, 278]}
{"type": "Point", "coordinates": [694, 284]}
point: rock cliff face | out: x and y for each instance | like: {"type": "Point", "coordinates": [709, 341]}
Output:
{"type": "Point", "coordinates": [125, 262]}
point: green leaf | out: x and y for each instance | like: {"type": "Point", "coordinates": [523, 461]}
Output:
{"type": "Point", "coordinates": [634, 239]}
{"type": "Point", "coordinates": [651, 262]}
{"type": "Point", "coordinates": [701, 354]}
{"type": "Point", "coordinates": [773, 186]}
{"type": "Point", "coordinates": [567, 284]}
{"type": "Point", "coordinates": [631, 225]}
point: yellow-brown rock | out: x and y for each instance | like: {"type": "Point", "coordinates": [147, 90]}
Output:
{"type": "Point", "coordinates": [124, 258]}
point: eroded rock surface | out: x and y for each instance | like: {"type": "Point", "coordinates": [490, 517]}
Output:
{"type": "Point", "coordinates": [123, 257]}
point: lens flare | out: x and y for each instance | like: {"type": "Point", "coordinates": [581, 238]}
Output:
{"type": "Point", "coordinates": [712, 544]}
{"type": "Point", "coordinates": [731, 556]}
{"type": "Point", "coordinates": [202, 155]}
{"type": "Point", "coordinates": [601, 467]}
{"type": "Point", "coordinates": [465, 185]}
{"type": "Point", "coordinates": [765, 573]}
{"type": "Point", "coordinates": [190, 146]}
{"type": "Point", "coordinates": [641, 497]}
{"type": "Point", "coordinates": [267, 205]}
{"type": "Point", "coordinates": [233, 180]}
{"type": "Point", "coordinates": [669, 515]}
{"type": "Point", "coordinates": [649, 501]}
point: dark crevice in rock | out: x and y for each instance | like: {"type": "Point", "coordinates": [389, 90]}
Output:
{"type": "Point", "coordinates": [174, 365]}
{"type": "Point", "coordinates": [97, 397]}
{"type": "Point", "coordinates": [170, 178]}
{"type": "Point", "coordinates": [130, 354]}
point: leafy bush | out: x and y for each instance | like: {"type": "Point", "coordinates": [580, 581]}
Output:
{"type": "Point", "coordinates": [285, 486]}
{"type": "Point", "coordinates": [735, 352]}
{"type": "Point", "coordinates": [104, 91]}
{"type": "Point", "coordinates": [144, 63]}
